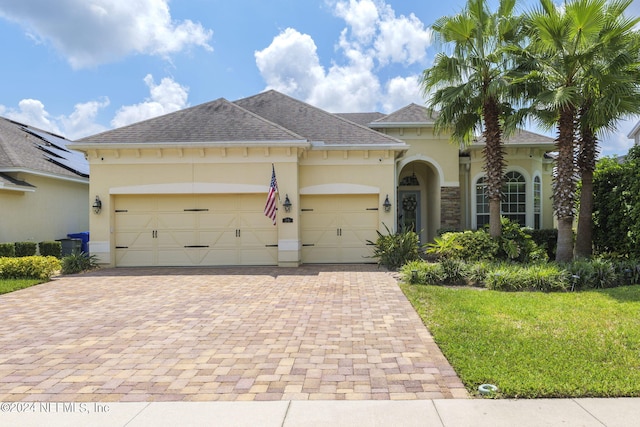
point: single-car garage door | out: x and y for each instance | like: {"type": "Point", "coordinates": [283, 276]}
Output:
{"type": "Point", "coordinates": [335, 228]}
{"type": "Point", "coordinates": [182, 230]}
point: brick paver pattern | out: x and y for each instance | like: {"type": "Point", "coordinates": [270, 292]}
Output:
{"type": "Point", "coordinates": [195, 334]}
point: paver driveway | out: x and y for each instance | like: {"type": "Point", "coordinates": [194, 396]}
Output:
{"type": "Point", "coordinates": [330, 332]}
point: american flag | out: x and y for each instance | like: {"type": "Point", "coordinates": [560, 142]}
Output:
{"type": "Point", "coordinates": [270, 206]}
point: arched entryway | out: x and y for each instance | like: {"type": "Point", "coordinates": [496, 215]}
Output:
{"type": "Point", "coordinates": [418, 198]}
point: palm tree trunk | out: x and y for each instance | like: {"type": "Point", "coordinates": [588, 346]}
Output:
{"type": "Point", "coordinates": [564, 184]}
{"type": "Point", "coordinates": [586, 165]}
{"type": "Point", "coordinates": [584, 235]}
{"type": "Point", "coordinates": [564, 250]}
{"type": "Point", "coordinates": [493, 163]}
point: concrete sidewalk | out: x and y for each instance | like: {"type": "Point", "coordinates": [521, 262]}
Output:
{"type": "Point", "coordinates": [441, 412]}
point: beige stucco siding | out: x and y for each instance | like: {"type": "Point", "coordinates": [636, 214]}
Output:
{"type": "Point", "coordinates": [164, 173]}
{"type": "Point", "coordinates": [54, 209]}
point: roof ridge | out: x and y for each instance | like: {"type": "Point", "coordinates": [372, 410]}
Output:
{"type": "Point", "coordinates": [323, 112]}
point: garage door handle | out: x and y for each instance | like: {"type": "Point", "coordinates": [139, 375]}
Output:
{"type": "Point", "coordinates": [196, 210]}
{"type": "Point", "coordinates": [121, 210]}
{"type": "Point", "coordinates": [308, 244]}
{"type": "Point", "coordinates": [271, 246]}
{"type": "Point", "coordinates": [196, 246]}
{"type": "Point", "coordinates": [371, 209]}
{"type": "Point", "coordinates": [122, 247]}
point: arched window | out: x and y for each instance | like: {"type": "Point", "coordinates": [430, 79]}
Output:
{"type": "Point", "coordinates": [537, 199]}
{"type": "Point", "coordinates": [482, 204]}
{"type": "Point", "coordinates": [514, 200]}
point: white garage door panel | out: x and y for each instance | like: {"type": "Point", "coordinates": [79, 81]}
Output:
{"type": "Point", "coordinates": [335, 228]}
{"type": "Point", "coordinates": [175, 230]}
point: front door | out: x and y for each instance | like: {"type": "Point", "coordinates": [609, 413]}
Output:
{"type": "Point", "coordinates": [409, 211]}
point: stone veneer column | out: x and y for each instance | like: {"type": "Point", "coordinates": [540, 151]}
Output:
{"type": "Point", "coordinates": [450, 207]}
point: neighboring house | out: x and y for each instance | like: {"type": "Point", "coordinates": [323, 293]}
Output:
{"type": "Point", "coordinates": [189, 188]}
{"type": "Point", "coordinates": [635, 134]}
{"type": "Point", "coordinates": [44, 187]}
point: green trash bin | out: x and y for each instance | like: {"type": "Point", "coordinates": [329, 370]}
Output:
{"type": "Point", "coordinates": [70, 245]}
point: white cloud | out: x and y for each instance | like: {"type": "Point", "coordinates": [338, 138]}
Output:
{"type": "Point", "coordinates": [166, 97]}
{"type": "Point", "coordinates": [89, 33]}
{"type": "Point", "coordinates": [373, 39]}
{"type": "Point", "coordinates": [402, 91]}
{"type": "Point", "coordinates": [290, 64]}
{"type": "Point", "coordinates": [82, 122]}
{"type": "Point", "coordinates": [33, 113]}
{"type": "Point", "coordinates": [402, 40]}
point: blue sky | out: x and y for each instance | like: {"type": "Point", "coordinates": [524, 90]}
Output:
{"type": "Point", "coordinates": [78, 67]}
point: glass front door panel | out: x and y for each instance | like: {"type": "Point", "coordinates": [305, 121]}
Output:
{"type": "Point", "coordinates": [409, 211]}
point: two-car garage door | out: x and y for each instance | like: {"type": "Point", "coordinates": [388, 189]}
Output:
{"type": "Point", "coordinates": [180, 230]}
{"type": "Point", "coordinates": [210, 230]}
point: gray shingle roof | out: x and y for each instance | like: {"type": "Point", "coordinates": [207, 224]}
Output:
{"type": "Point", "coordinates": [412, 113]}
{"type": "Point", "coordinates": [522, 137]}
{"type": "Point", "coordinates": [361, 118]}
{"type": "Point", "coordinates": [25, 148]}
{"type": "Point", "coordinates": [311, 122]}
{"type": "Point", "coordinates": [215, 121]}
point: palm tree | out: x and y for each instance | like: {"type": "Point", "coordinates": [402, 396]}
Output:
{"type": "Point", "coordinates": [611, 90]}
{"type": "Point", "coordinates": [564, 41]}
{"type": "Point", "coordinates": [470, 86]}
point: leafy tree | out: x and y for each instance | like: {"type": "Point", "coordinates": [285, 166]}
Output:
{"type": "Point", "coordinates": [471, 88]}
{"type": "Point", "coordinates": [617, 205]}
{"type": "Point", "coordinates": [610, 90]}
{"type": "Point", "coordinates": [565, 42]}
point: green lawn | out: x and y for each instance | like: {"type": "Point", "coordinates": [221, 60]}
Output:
{"type": "Point", "coordinates": [533, 344]}
{"type": "Point", "coordinates": [10, 285]}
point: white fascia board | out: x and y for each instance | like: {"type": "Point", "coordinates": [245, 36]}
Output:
{"type": "Point", "coordinates": [80, 146]}
{"type": "Point", "coordinates": [320, 145]}
{"type": "Point", "coordinates": [78, 179]}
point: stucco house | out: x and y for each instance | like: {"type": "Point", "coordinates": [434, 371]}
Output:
{"type": "Point", "coordinates": [635, 134]}
{"type": "Point", "coordinates": [44, 186]}
{"type": "Point", "coordinates": [189, 188]}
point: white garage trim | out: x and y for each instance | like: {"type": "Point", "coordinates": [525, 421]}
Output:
{"type": "Point", "coordinates": [190, 188]}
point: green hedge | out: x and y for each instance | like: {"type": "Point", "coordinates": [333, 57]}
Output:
{"type": "Point", "coordinates": [30, 267]}
{"type": "Point", "coordinates": [50, 249]}
{"type": "Point", "coordinates": [25, 249]}
{"type": "Point", "coordinates": [7, 249]}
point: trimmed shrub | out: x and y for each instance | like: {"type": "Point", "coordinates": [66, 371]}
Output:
{"type": "Point", "coordinates": [50, 249]}
{"type": "Point", "coordinates": [476, 246]}
{"type": "Point", "coordinates": [78, 262]}
{"type": "Point", "coordinates": [427, 273]}
{"type": "Point", "coordinates": [7, 250]}
{"type": "Point", "coordinates": [395, 250]}
{"type": "Point", "coordinates": [29, 267]}
{"type": "Point", "coordinates": [25, 249]}
{"type": "Point", "coordinates": [534, 277]}
{"type": "Point", "coordinates": [454, 272]}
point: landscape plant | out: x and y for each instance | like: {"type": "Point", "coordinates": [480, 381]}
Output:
{"type": "Point", "coordinates": [78, 262]}
{"type": "Point", "coordinates": [29, 267]}
{"type": "Point", "coordinates": [393, 250]}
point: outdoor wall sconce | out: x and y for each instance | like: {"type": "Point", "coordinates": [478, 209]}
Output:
{"type": "Point", "coordinates": [287, 204]}
{"type": "Point", "coordinates": [97, 205]}
{"type": "Point", "coordinates": [387, 204]}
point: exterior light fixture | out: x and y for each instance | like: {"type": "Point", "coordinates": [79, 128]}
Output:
{"type": "Point", "coordinates": [387, 204]}
{"type": "Point", "coordinates": [97, 205]}
{"type": "Point", "coordinates": [287, 204]}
